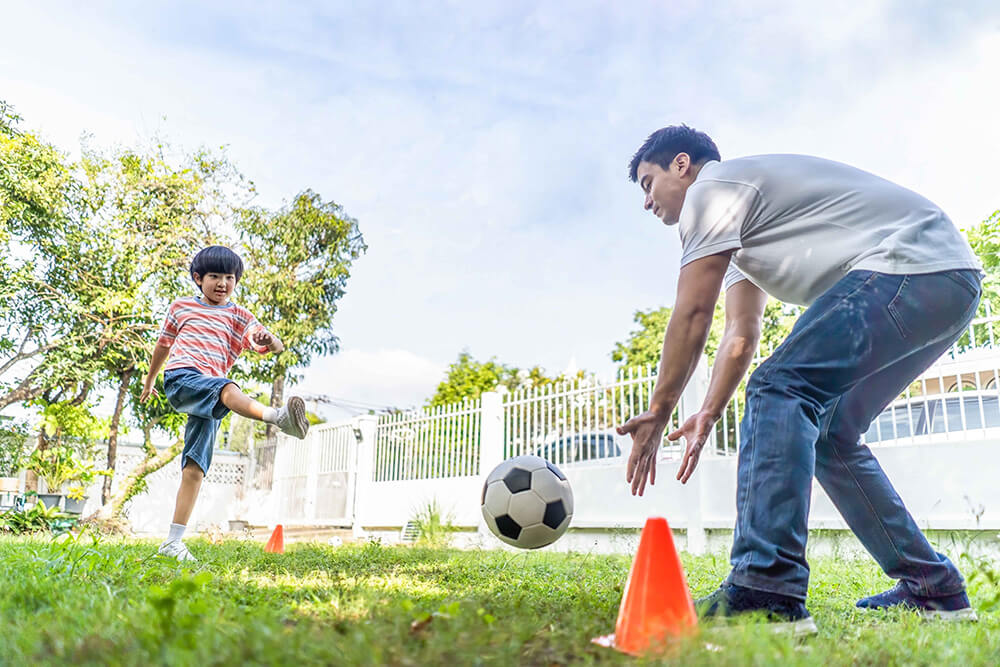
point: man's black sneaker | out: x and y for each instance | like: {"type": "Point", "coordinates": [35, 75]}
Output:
{"type": "Point", "coordinates": [946, 608]}
{"type": "Point", "coordinates": [786, 614]}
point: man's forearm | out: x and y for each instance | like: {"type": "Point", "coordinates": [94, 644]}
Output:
{"type": "Point", "coordinates": [682, 347]}
{"type": "Point", "coordinates": [736, 351]}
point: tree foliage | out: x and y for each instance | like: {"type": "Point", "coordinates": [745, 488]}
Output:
{"type": "Point", "coordinates": [467, 378]}
{"type": "Point", "coordinates": [94, 250]}
{"type": "Point", "coordinates": [300, 258]}
{"type": "Point", "coordinates": [985, 241]}
{"type": "Point", "coordinates": [644, 344]}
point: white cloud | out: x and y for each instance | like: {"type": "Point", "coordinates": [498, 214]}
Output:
{"type": "Point", "coordinates": [483, 146]}
{"type": "Point", "coordinates": [356, 379]}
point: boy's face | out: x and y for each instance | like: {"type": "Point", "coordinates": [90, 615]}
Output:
{"type": "Point", "coordinates": [216, 287]}
{"type": "Point", "coordinates": [664, 189]}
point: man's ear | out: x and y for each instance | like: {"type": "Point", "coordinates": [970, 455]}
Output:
{"type": "Point", "coordinates": [681, 163]}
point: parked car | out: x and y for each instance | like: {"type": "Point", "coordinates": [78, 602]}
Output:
{"type": "Point", "coordinates": [937, 414]}
{"type": "Point", "coordinates": [579, 447]}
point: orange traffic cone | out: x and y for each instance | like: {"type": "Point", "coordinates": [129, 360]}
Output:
{"type": "Point", "coordinates": [656, 604]}
{"type": "Point", "coordinates": [276, 545]}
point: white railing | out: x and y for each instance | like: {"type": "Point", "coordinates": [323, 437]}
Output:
{"type": "Point", "coordinates": [401, 461]}
{"type": "Point", "coordinates": [429, 443]}
{"type": "Point", "coordinates": [314, 479]}
{"type": "Point", "coordinates": [955, 399]}
{"type": "Point", "coordinates": [573, 421]}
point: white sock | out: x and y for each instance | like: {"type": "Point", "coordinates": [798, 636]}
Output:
{"type": "Point", "coordinates": [270, 415]}
{"type": "Point", "coordinates": [176, 532]}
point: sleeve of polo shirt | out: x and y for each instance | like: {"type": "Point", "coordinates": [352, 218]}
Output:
{"type": "Point", "coordinates": [712, 218]}
{"type": "Point", "coordinates": [168, 333]}
{"type": "Point", "coordinates": [733, 276]}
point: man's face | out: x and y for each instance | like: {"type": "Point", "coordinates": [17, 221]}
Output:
{"type": "Point", "coordinates": [664, 188]}
{"type": "Point", "coordinates": [217, 287]}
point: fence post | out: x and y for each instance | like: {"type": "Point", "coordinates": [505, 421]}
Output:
{"type": "Point", "coordinates": [691, 401]}
{"type": "Point", "coordinates": [312, 476]}
{"type": "Point", "coordinates": [490, 440]}
{"type": "Point", "coordinates": [363, 470]}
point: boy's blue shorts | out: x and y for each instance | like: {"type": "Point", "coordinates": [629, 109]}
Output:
{"type": "Point", "coordinates": [198, 396]}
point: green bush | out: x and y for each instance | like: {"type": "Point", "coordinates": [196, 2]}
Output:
{"type": "Point", "coordinates": [13, 448]}
{"type": "Point", "coordinates": [38, 519]}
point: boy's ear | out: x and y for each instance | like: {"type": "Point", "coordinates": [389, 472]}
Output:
{"type": "Point", "coordinates": [197, 279]}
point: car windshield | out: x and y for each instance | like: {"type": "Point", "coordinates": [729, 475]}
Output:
{"type": "Point", "coordinates": [935, 415]}
{"type": "Point", "coordinates": [581, 447]}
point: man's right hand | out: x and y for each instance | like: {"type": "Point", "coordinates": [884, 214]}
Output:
{"type": "Point", "coordinates": [647, 436]}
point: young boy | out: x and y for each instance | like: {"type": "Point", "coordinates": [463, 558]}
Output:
{"type": "Point", "coordinates": [203, 336]}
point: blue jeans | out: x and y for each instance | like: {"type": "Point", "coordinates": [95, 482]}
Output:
{"type": "Point", "coordinates": [852, 352]}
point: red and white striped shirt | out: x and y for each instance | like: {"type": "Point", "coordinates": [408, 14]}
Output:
{"type": "Point", "coordinates": [209, 338]}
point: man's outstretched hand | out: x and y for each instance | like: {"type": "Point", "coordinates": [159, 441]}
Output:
{"type": "Point", "coordinates": [647, 435]}
{"type": "Point", "coordinates": [695, 432]}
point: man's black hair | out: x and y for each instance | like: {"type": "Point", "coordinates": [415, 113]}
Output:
{"type": "Point", "coordinates": [663, 146]}
{"type": "Point", "coordinates": [217, 259]}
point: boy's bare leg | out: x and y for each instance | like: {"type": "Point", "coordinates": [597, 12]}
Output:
{"type": "Point", "coordinates": [291, 419]}
{"type": "Point", "coordinates": [241, 404]}
{"type": "Point", "coordinates": [191, 478]}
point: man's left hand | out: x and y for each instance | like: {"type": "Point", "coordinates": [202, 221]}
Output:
{"type": "Point", "coordinates": [695, 432]}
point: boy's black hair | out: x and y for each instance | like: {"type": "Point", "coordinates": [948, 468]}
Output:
{"type": "Point", "coordinates": [663, 146]}
{"type": "Point", "coordinates": [217, 259]}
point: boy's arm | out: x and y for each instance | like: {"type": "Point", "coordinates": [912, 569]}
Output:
{"type": "Point", "coordinates": [160, 354]}
{"type": "Point", "coordinates": [265, 341]}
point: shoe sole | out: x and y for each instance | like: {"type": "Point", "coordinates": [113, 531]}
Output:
{"type": "Point", "coordinates": [297, 409]}
{"type": "Point", "coordinates": [804, 627]}
{"type": "Point", "coordinates": [184, 558]}
{"type": "Point", "coordinates": [958, 616]}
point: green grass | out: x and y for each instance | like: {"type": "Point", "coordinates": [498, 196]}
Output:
{"type": "Point", "coordinates": [114, 602]}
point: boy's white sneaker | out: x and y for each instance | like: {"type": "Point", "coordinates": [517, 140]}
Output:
{"type": "Point", "coordinates": [176, 549]}
{"type": "Point", "coordinates": [292, 418]}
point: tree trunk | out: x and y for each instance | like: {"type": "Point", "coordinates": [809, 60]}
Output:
{"type": "Point", "coordinates": [125, 380]}
{"type": "Point", "coordinates": [277, 400]}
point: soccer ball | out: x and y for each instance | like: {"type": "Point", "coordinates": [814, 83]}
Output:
{"type": "Point", "coordinates": [527, 502]}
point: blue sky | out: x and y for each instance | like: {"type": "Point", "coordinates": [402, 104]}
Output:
{"type": "Point", "coordinates": [482, 146]}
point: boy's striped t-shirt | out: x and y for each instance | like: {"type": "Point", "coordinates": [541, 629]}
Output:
{"type": "Point", "coordinates": [206, 337]}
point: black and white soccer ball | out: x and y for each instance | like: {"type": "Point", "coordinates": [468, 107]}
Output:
{"type": "Point", "coordinates": [527, 502]}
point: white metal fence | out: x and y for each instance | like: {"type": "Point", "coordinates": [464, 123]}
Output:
{"type": "Point", "coordinates": [314, 478]}
{"type": "Point", "coordinates": [375, 472]}
{"type": "Point", "coordinates": [426, 444]}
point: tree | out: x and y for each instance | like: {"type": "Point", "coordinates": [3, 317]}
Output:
{"type": "Point", "coordinates": [37, 194]}
{"type": "Point", "coordinates": [146, 217]}
{"type": "Point", "coordinates": [985, 241]}
{"type": "Point", "coordinates": [298, 261]}
{"type": "Point", "coordinates": [468, 379]}
{"type": "Point", "coordinates": [643, 346]}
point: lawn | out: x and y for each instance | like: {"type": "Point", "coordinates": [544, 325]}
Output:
{"type": "Point", "coordinates": [114, 602]}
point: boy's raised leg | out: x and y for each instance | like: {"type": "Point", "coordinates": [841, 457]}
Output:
{"type": "Point", "coordinates": [291, 419]}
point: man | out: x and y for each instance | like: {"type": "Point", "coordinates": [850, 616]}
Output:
{"type": "Point", "coordinates": [889, 283]}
